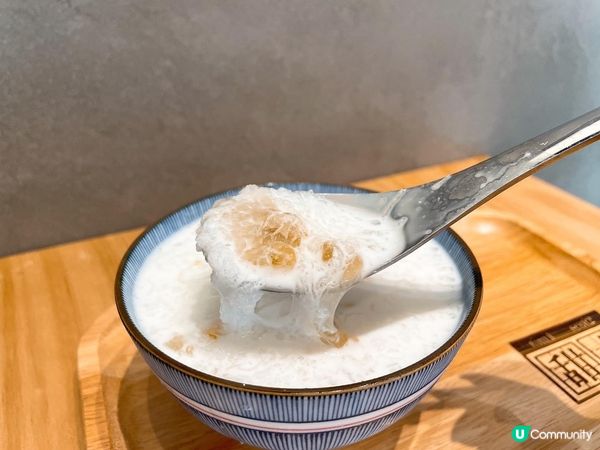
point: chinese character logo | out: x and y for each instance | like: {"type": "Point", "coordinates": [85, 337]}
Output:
{"type": "Point", "coordinates": [520, 433]}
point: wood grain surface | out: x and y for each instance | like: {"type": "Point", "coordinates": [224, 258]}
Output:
{"type": "Point", "coordinates": [58, 301]}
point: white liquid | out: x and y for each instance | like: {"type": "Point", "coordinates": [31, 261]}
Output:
{"type": "Point", "coordinates": [393, 319]}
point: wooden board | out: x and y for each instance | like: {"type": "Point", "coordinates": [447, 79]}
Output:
{"type": "Point", "coordinates": [50, 299]}
{"type": "Point", "coordinates": [488, 389]}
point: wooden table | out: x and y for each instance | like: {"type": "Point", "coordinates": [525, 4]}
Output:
{"type": "Point", "coordinates": [50, 298]}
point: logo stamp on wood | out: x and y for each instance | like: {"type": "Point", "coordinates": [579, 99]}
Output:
{"type": "Point", "coordinates": [568, 354]}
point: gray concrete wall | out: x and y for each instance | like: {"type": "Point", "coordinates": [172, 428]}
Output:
{"type": "Point", "coordinates": [114, 112]}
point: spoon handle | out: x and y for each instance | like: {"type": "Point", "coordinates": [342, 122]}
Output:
{"type": "Point", "coordinates": [442, 202]}
{"type": "Point", "coordinates": [514, 164]}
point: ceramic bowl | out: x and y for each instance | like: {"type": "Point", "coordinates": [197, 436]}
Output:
{"type": "Point", "coordinates": [281, 418]}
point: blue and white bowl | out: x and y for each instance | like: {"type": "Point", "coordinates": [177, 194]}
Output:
{"type": "Point", "coordinates": [279, 418]}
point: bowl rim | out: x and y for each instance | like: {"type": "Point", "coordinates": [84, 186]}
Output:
{"type": "Point", "coordinates": [141, 340]}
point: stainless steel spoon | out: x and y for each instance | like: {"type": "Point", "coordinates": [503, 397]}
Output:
{"type": "Point", "coordinates": [434, 206]}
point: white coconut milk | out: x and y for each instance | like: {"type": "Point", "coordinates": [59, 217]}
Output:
{"type": "Point", "coordinates": [392, 319]}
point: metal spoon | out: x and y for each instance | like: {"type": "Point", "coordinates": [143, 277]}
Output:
{"type": "Point", "coordinates": [434, 206]}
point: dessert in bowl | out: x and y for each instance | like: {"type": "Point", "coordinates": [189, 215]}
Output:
{"type": "Point", "coordinates": [272, 390]}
